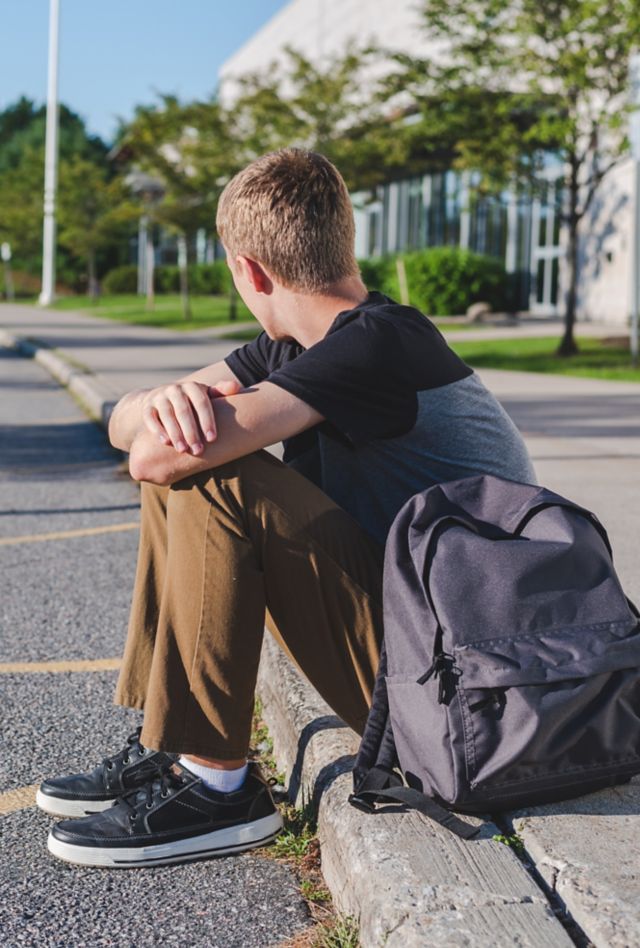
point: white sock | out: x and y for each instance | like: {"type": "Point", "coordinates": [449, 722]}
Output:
{"type": "Point", "coordinates": [224, 781]}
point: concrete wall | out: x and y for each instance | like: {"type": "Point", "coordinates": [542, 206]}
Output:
{"type": "Point", "coordinates": [317, 28]}
{"type": "Point", "coordinates": [606, 245]}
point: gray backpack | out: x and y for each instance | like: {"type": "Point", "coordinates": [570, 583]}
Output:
{"type": "Point", "coordinates": [509, 673]}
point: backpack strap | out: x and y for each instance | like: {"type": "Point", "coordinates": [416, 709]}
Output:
{"type": "Point", "coordinates": [367, 797]}
{"type": "Point", "coordinates": [377, 746]}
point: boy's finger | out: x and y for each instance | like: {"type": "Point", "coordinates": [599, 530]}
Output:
{"type": "Point", "coordinates": [173, 426]}
{"type": "Point", "coordinates": [182, 410]}
{"type": "Point", "coordinates": [224, 388]}
{"type": "Point", "coordinates": [153, 424]}
{"type": "Point", "coordinates": [203, 408]}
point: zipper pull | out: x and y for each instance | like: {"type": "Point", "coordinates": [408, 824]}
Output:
{"type": "Point", "coordinates": [443, 667]}
{"type": "Point", "coordinates": [429, 672]}
{"type": "Point", "coordinates": [437, 666]}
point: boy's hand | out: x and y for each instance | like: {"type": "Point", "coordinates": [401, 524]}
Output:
{"type": "Point", "coordinates": [181, 415]}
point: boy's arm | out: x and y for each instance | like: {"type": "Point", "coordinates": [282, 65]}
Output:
{"type": "Point", "coordinates": [128, 416]}
{"type": "Point", "coordinates": [253, 419]}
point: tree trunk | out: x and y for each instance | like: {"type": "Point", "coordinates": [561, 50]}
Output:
{"type": "Point", "coordinates": [150, 265]}
{"type": "Point", "coordinates": [91, 274]}
{"type": "Point", "coordinates": [568, 346]}
{"type": "Point", "coordinates": [183, 264]}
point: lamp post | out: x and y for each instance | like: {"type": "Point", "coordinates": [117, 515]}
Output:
{"type": "Point", "coordinates": [150, 192]}
{"type": "Point", "coordinates": [47, 294]}
{"type": "Point", "coordinates": [634, 138]}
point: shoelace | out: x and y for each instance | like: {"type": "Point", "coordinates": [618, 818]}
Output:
{"type": "Point", "coordinates": [133, 744]}
{"type": "Point", "coordinates": [159, 786]}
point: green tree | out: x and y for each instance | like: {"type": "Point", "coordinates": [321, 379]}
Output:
{"type": "Point", "coordinates": [525, 79]}
{"type": "Point", "coordinates": [21, 208]}
{"type": "Point", "coordinates": [334, 108]}
{"type": "Point", "coordinates": [166, 142]}
{"type": "Point", "coordinates": [93, 213]}
{"type": "Point", "coordinates": [22, 136]}
{"type": "Point", "coordinates": [23, 127]}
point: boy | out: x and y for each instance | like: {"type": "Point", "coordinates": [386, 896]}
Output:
{"type": "Point", "coordinates": [372, 407]}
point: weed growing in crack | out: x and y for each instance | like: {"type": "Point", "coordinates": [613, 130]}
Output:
{"type": "Point", "coordinates": [512, 840]}
{"type": "Point", "coordinates": [343, 934]}
{"type": "Point", "coordinates": [299, 847]}
{"type": "Point", "coordinates": [313, 892]}
{"type": "Point", "coordinates": [299, 831]}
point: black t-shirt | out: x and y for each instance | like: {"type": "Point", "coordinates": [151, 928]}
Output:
{"type": "Point", "coordinates": [396, 400]}
{"type": "Point", "coordinates": [364, 375]}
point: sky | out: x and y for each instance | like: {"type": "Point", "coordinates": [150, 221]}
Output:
{"type": "Point", "coordinates": [115, 54]}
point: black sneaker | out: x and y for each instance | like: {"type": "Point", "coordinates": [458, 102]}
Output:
{"type": "Point", "coordinates": [80, 794]}
{"type": "Point", "coordinates": [173, 818]}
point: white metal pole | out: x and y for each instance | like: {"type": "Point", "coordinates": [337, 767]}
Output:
{"type": "Point", "coordinates": [634, 137]}
{"type": "Point", "coordinates": [143, 227]}
{"type": "Point", "coordinates": [635, 265]}
{"type": "Point", "coordinates": [51, 163]}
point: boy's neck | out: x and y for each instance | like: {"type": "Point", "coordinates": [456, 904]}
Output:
{"type": "Point", "coordinates": [307, 317]}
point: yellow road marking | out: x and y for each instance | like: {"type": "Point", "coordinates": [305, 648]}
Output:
{"type": "Point", "coordinates": [68, 534]}
{"type": "Point", "coordinates": [18, 799]}
{"type": "Point", "coordinates": [82, 665]}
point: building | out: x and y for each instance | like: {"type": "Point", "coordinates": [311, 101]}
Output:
{"type": "Point", "coordinates": [432, 209]}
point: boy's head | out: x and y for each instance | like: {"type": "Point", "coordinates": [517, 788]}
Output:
{"type": "Point", "coordinates": [290, 211]}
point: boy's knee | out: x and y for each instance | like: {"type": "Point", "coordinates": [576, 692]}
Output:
{"type": "Point", "coordinates": [251, 466]}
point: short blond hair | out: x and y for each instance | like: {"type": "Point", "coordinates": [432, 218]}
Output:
{"type": "Point", "coordinates": [291, 211]}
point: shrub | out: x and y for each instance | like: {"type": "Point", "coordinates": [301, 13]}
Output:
{"type": "Point", "coordinates": [378, 273]}
{"type": "Point", "coordinates": [210, 279]}
{"type": "Point", "coordinates": [25, 285]}
{"type": "Point", "coordinates": [121, 280]}
{"type": "Point", "coordinates": [205, 279]}
{"type": "Point", "coordinates": [444, 281]}
{"type": "Point", "coordinates": [167, 278]}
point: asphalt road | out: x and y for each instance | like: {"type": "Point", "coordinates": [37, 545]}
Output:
{"type": "Point", "coordinates": [65, 599]}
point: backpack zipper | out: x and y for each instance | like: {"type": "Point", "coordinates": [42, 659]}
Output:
{"type": "Point", "coordinates": [444, 668]}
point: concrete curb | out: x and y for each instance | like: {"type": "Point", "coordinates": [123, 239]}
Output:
{"type": "Point", "coordinates": [94, 395]}
{"type": "Point", "coordinates": [407, 881]}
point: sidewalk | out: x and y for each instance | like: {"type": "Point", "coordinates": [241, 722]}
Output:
{"type": "Point", "coordinates": [410, 883]}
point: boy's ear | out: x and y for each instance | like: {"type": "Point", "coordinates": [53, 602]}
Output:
{"type": "Point", "coordinates": [256, 274]}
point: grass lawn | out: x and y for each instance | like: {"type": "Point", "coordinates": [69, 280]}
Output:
{"type": "Point", "coordinates": [206, 310]}
{"type": "Point", "coordinates": [595, 360]}
{"type": "Point", "coordinates": [246, 335]}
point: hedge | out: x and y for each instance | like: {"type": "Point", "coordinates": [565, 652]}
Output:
{"type": "Point", "coordinates": [442, 281]}
{"type": "Point", "coordinates": [121, 280]}
{"type": "Point", "coordinates": [205, 279]}
{"type": "Point", "coordinates": [25, 285]}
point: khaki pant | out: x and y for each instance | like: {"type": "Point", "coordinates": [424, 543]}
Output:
{"type": "Point", "coordinates": [216, 551]}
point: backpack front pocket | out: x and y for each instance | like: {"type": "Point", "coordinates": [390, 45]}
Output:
{"type": "Point", "coordinates": [550, 708]}
{"type": "Point", "coordinates": [423, 740]}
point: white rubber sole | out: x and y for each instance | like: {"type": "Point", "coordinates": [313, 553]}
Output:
{"type": "Point", "coordinates": [58, 806]}
{"type": "Point", "coordinates": [232, 839]}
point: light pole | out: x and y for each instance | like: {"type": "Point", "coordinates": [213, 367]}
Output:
{"type": "Point", "coordinates": [150, 192]}
{"type": "Point", "coordinates": [47, 294]}
{"type": "Point", "coordinates": [634, 138]}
